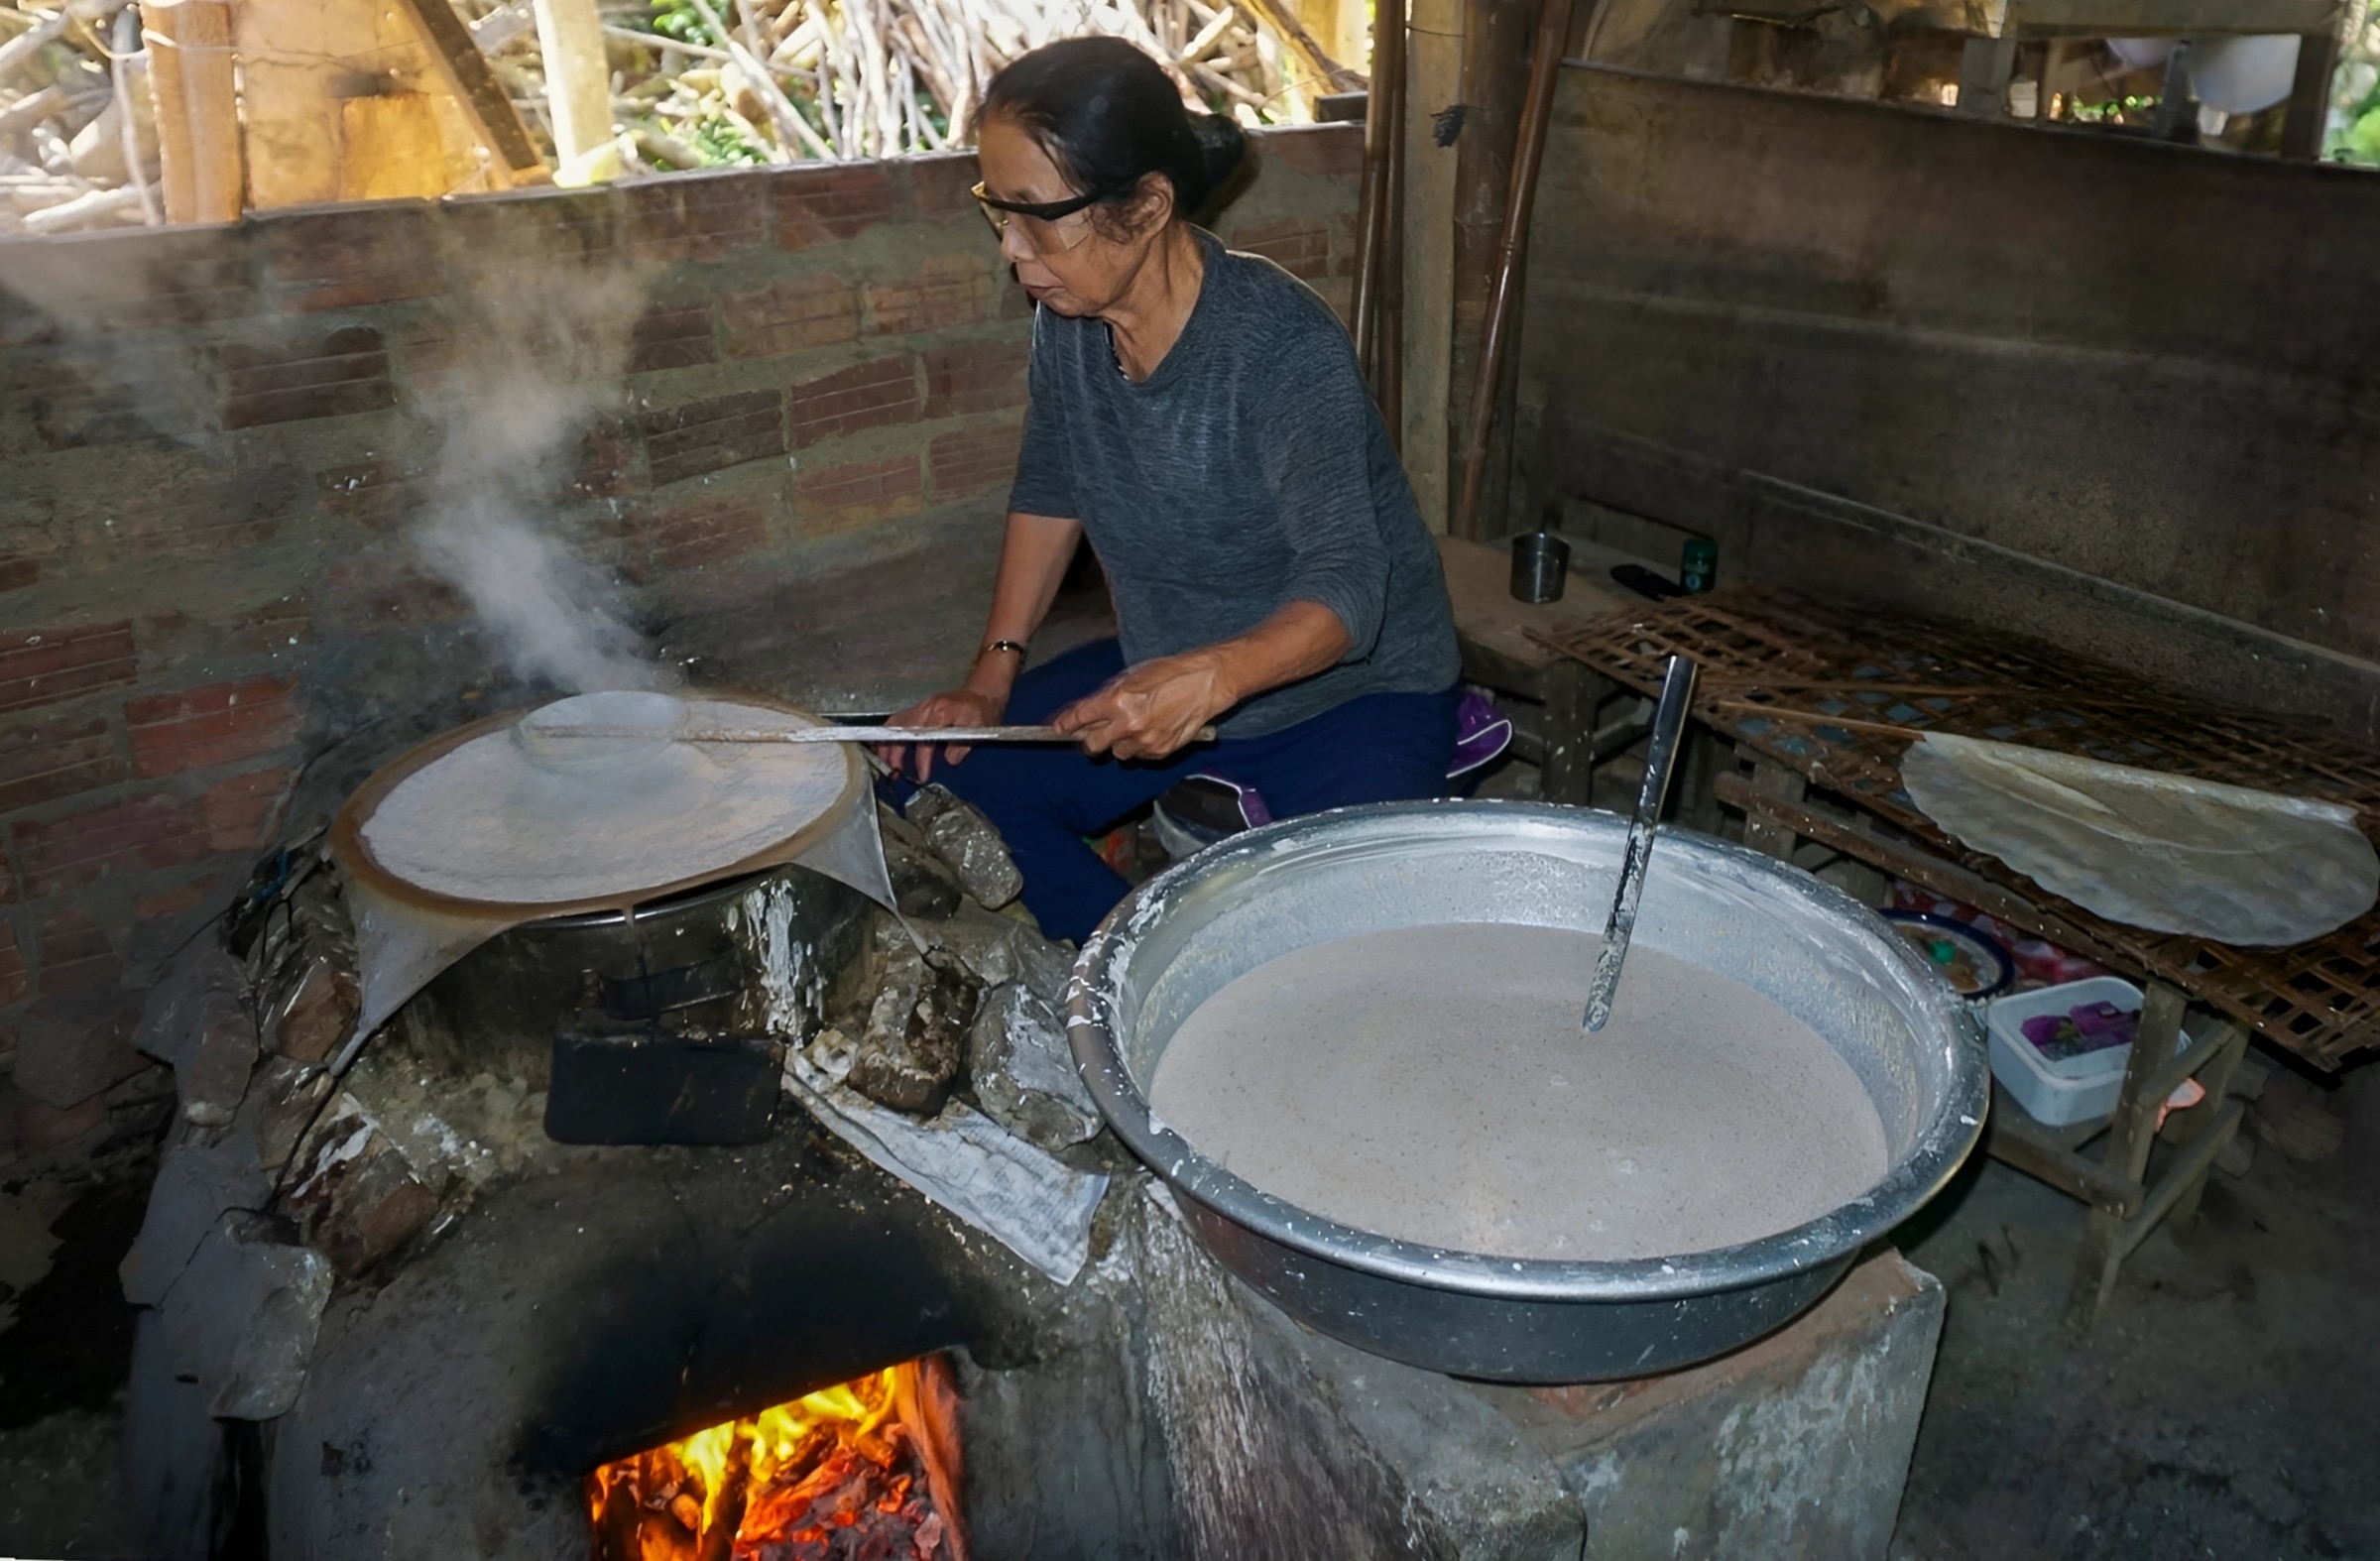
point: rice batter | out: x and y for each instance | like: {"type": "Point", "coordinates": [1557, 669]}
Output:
{"type": "Point", "coordinates": [1433, 1084]}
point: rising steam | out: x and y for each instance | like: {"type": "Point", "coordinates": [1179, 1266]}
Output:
{"type": "Point", "coordinates": [545, 355]}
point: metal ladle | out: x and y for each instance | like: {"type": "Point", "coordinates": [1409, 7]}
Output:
{"type": "Point", "coordinates": [1661, 759]}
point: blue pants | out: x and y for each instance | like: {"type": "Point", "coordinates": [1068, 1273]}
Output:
{"type": "Point", "coordinates": [1376, 749]}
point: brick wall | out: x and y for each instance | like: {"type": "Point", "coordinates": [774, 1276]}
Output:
{"type": "Point", "coordinates": [211, 450]}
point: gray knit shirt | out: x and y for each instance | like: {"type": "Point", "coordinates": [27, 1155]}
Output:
{"type": "Point", "coordinates": [1250, 471]}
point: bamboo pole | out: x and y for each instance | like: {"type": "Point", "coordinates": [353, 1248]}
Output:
{"type": "Point", "coordinates": [578, 79]}
{"type": "Point", "coordinates": [1536, 117]}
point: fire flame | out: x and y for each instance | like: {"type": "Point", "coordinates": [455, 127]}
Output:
{"type": "Point", "coordinates": [867, 1466]}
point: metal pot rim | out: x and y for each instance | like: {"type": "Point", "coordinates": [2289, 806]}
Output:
{"type": "Point", "coordinates": [1943, 1141]}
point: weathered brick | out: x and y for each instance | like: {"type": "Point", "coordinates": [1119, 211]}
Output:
{"type": "Point", "coordinates": [377, 590]}
{"type": "Point", "coordinates": [274, 629]}
{"type": "Point", "coordinates": [941, 190]}
{"type": "Point", "coordinates": [242, 813]}
{"type": "Point", "coordinates": [967, 377]}
{"type": "Point", "coordinates": [790, 314]}
{"type": "Point", "coordinates": [376, 493]}
{"type": "Point", "coordinates": [679, 336]}
{"type": "Point", "coordinates": [156, 831]}
{"type": "Point", "coordinates": [209, 516]}
{"type": "Point", "coordinates": [350, 257]}
{"type": "Point", "coordinates": [830, 203]}
{"type": "Point", "coordinates": [712, 435]}
{"type": "Point", "coordinates": [694, 216]}
{"type": "Point", "coordinates": [945, 291]}
{"type": "Point", "coordinates": [695, 534]}
{"type": "Point", "coordinates": [140, 279]}
{"type": "Point", "coordinates": [858, 493]}
{"type": "Point", "coordinates": [304, 377]}
{"type": "Point", "coordinates": [40, 667]}
{"type": "Point", "coordinates": [607, 461]}
{"type": "Point", "coordinates": [199, 728]}
{"type": "Point", "coordinates": [164, 904]}
{"type": "Point", "coordinates": [542, 227]}
{"type": "Point", "coordinates": [876, 394]}
{"type": "Point", "coordinates": [1299, 246]}
{"type": "Point", "coordinates": [71, 1047]}
{"type": "Point", "coordinates": [15, 979]}
{"type": "Point", "coordinates": [1333, 150]}
{"type": "Point", "coordinates": [40, 764]}
{"type": "Point", "coordinates": [970, 460]}
{"type": "Point", "coordinates": [71, 951]}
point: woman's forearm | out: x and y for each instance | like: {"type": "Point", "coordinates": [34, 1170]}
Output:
{"type": "Point", "coordinates": [1034, 551]}
{"type": "Point", "coordinates": [1299, 640]}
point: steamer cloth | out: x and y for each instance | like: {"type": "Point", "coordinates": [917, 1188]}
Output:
{"type": "Point", "coordinates": [2148, 849]}
{"type": "Point", "coordinates": [493, 836]}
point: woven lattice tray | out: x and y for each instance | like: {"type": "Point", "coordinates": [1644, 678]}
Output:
{"type": "Point", "coordinates": [1838, 699]}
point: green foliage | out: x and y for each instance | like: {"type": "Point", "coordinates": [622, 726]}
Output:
{"type": "Point", "coordinates": [679, 20]}
{"type": "Point", "coordinates": [722, 143]}
{"type": "Point", "coordinates": [2124, 110]}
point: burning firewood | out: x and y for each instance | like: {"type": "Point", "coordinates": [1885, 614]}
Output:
{"type": "Point", "coordinates": [867, 1470]}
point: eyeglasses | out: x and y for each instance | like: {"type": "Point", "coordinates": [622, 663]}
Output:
{"type": "Point", "coordinates": [1048, 227]}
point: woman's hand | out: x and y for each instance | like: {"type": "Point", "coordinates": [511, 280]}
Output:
{"type": "Point", "coordinates": [957, 707]}
{"type": "Point", "coordinates": [1154, 709]}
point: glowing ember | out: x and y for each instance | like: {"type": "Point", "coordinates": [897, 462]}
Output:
{"type": "Point", "coordinates": [868, 1471]}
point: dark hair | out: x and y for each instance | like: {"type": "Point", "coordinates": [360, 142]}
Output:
{"type": "Point", "coordinates": [1108, 115]}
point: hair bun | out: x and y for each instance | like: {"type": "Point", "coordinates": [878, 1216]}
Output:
{"type": "Point", "coordinates": [1222, 151]}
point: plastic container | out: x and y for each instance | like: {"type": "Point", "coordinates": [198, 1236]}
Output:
{"type": "Point", "coordinates": [2070, 1089]}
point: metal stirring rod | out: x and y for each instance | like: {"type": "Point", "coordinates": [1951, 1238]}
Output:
{"type": "Point", "coordinates": [1660, 760]}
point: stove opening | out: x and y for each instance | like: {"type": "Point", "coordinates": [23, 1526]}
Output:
{"type": "Point", "coordinates": [867, 1469]}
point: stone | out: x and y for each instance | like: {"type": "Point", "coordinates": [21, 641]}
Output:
{"type": "Point", "coordinates": [923, 884]}
{"type": "Point", "coordinates": [1795, 1445]}
{"type": "Point", "coordinates": [242, 1318]}
{"type": "Point", "coordinates": [219, 1054]}
{"type": "Point", "coordinates": [356, 1198]}
{"type": "Point", "coordinates": [320, 1010]}
{"type": "Point", "coordinates": [176, 1010]}
{"type": "Point", "coordinates": [908, 1053]}
{"type": "Point", "coordinates": [283, 1098]}
{"type": "Point", "coordinates": [1001, 949]}
{"type": "Point", "coordinates": [195, 1184]}
{"type": "Point", "coordinates": [1025, 1075]}
{"type": "Point", "coordinates": [1281, 1442]}
{"type": "Point", "coordinates": [968, 843]}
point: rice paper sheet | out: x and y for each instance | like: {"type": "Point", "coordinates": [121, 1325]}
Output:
{"type": "Point", "coordinates": [2150, 849]}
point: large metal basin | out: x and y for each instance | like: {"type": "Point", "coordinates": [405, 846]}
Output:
{"type": "Point", "coordinates": [1815, 951]}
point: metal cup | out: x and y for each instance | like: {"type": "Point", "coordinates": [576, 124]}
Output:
{"type": "Point", "coordinates": [1540, 564]}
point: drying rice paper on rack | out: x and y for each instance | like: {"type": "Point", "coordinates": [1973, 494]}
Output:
{"type": "Point", "coordinates": [2148, 849]}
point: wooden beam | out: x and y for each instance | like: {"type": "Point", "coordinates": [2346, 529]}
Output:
{"type": "Point", "coordinates": [578, 79]}
{"type": "Point", "coordinates": [194, 96]}
{"type": "Point", "coordinates": [1426, 287]}
{"type": "Point", "coordinates": [2309, 114]}
{"type": "Point", "coordinates": [481, 97]}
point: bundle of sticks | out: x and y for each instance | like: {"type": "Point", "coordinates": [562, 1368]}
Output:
{"type": "Point", "coordinates": [698, 83]}
{"type": "Point", "coordinates": [77, 139]}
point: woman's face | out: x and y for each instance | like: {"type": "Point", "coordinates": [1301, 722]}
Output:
{"type": "Point", "coordinates": [1078, 265]}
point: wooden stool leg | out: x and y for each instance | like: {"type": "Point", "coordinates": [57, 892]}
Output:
{"type": "Point", "coordinates": [1771, 779]}
{"type": "Point", "coordinates": [2128, 1142]}
{"type": "Point", "coordinates": [2186, 1127]}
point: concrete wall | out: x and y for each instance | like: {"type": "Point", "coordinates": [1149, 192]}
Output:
{"type": "Point", "coordinates": [2134, 373]}
{"type": "Point", "coordinates": [216, 443]}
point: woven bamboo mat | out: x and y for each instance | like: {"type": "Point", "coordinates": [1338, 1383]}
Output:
{"type": "Point", "coordinates": [1838, 699]}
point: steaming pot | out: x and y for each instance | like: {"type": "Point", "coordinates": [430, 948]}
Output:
{"type": "Point", "coordinates": [1819, 955]}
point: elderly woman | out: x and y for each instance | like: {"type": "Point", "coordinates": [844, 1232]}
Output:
{"type": "Point", "coordinates": [1199, 415]}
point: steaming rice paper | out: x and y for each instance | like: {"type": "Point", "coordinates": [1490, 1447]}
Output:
{"type": "Point", "coordinates": [485, 823]}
